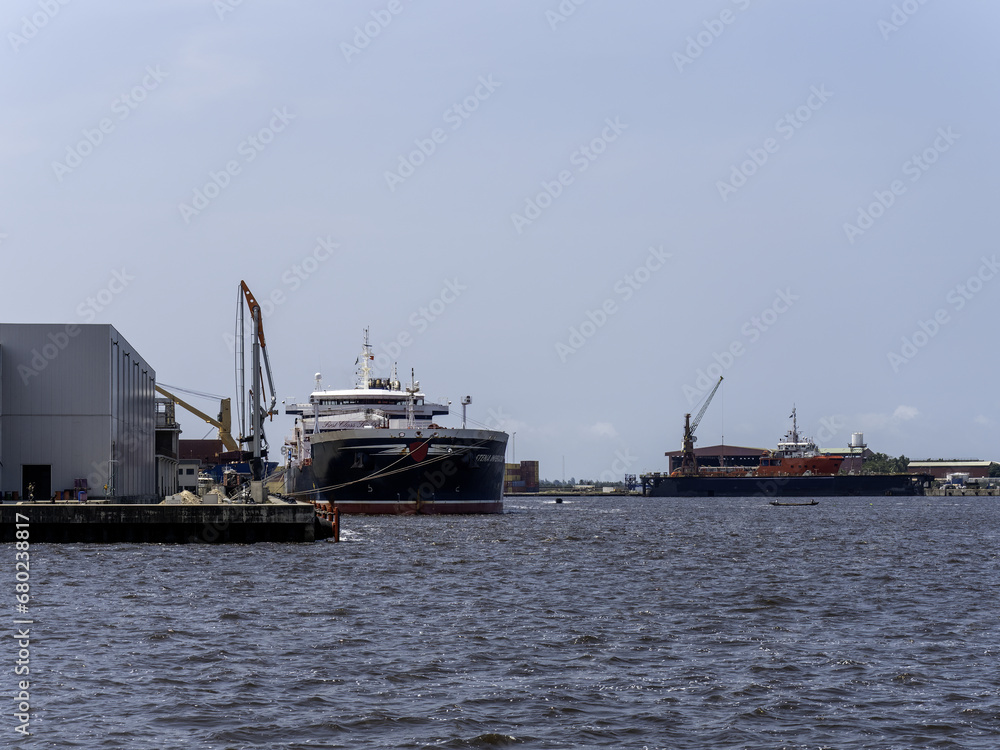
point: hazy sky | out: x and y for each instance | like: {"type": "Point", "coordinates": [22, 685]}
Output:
{"type": "Point", "coordinates": [578, 213]}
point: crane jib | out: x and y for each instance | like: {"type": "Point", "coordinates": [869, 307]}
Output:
{"type": "Point", "coordinates": [701, 413]}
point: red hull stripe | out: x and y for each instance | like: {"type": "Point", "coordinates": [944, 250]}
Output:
{"type": "Point", "coordinates": [422, 508]}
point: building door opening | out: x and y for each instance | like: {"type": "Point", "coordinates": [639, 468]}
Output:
{"type": "Point", "coordinates": [36, 481]}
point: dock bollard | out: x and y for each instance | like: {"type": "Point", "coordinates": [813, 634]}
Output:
{"type": "Point", "coordinates": [328, 512]}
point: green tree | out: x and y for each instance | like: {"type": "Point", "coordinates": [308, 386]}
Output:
{"type": "Point", "coordinates": [994, 469]}
{"type": "Point", "coordinates": [880, 463]}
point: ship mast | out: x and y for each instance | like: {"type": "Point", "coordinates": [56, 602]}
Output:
{"type": "Point", "coordinates": [365, 357]}
{"type": "Point", "coordinates": [466, 400]}
{"type": "Point", "coordinates": [412, 390]}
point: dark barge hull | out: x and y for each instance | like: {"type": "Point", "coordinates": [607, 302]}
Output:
{"type": "Point", "coordinates": [404, 472]}
{"type": "Point", "coordinates": [662, 485]}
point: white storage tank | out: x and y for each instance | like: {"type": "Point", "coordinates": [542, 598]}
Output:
{"type": "Point", "coordinates": [857, 440]}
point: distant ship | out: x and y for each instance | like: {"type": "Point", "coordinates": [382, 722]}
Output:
{"type": "Point", "coordinates": [796, 468]}
{"type": "Point", "coordinates": [375, 448]}
{"type": "Point", "coordinates": [797, 456]}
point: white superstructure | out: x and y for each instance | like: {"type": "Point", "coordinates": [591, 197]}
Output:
{"type": "Point", "coordinates": [374, 403]}
{"type": "Point", "coordinates": [794, 445]}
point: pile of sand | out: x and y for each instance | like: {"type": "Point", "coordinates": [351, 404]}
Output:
{"type": "Point", "coordinates": [183, 498]}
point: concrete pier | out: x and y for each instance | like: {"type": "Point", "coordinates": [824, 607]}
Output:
{"type": "Point", "coordinates": [165, 523]}
{"type": "Point", "coordinates": [968, 491]}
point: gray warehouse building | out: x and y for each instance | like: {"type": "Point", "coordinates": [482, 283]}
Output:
{"type": "Point", "coordinates": [77, 414]}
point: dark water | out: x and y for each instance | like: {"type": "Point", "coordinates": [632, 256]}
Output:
{"type": "Point", "coordinates": [605, 622]}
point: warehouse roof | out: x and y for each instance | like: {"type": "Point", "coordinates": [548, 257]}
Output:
{"type": "Point", "coordinates": [720, 450]}
{"type": "Point", "coordinates": [945, 462]}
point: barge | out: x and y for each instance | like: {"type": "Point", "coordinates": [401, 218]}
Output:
{"type": "Point", "coordinates": [796, 468]}
{"type": "Point", "coordinates": [844, 485]}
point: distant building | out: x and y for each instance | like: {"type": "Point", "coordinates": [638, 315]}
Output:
{"type": "Point", "coordinates": [167, 436]}
{"type": "Point", "coordinates": [206, 451]}
{"type": "Point", "coordinates": [940, 469]}
{"type": "Point", "coordinates": [854, 457]}
{"type": "Point", "coordinates": [522, 477]}
{"type": "Point", "coordinates": [187, 474]}
{"type": "Point", "coordinates": [77, 414]}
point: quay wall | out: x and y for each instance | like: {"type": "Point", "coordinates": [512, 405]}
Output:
{"type": "Point", "coordinates": [162, 524]}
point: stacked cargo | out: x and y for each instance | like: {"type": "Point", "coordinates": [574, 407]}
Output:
{"type": "Point", "coordinates": [522, 477]}
{"type": "Point", "coordinates": [529, 475]}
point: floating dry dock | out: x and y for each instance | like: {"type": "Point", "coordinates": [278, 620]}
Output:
{"type": "Point", "coordinates": [165, 523]}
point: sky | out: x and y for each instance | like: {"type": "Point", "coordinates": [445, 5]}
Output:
{"type": "Point", "coordinates": [579, 213]}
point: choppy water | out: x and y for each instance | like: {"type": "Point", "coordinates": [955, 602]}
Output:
{"type": "Point", "coordinates": [604, 622]}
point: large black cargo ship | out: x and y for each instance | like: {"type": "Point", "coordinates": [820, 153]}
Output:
{"type": "Point", "coordinates": [375, 448]}
{"type": "Point", "coordinates": [406, 471]}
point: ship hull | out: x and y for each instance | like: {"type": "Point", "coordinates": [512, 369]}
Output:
{"type": "Point", "coordinates": [800, 466]}
{"type": "Point", "coordinates": [404, 472]}
{"type": "Point", "coordinates": [657, 485]}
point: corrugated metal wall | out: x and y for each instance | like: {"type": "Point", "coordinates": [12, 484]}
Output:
{"type": "Point", "coordinates": [78, 398]}
{"type": "Point", "coordinates": [133, 423]}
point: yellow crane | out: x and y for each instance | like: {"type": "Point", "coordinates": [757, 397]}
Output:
{"type": "Point", "coordinates": [223, 423]}
{"type": "Point", "coordinates": [257, 412]}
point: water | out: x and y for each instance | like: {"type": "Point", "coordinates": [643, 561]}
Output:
{"type": "Point", "coordinates": [600, 622]}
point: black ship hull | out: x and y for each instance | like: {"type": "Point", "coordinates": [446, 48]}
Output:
{"type": "Point", "coordinates": [662, 485]}
{"type": "Point", "coordinates": [377, 471]}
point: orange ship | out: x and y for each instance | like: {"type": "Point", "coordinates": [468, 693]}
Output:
{"type": "Point", "coordinates": [795, 456]}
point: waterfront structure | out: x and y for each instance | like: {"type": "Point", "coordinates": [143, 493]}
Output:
{"type": "Point", "coordinates": [940, 469]}
{"type": "Point", "coordinates": [208, 452]}
{"type": "Point", "coordinates": [854, 457]}
{"type": "Point", "coordinates": [77, 414]}
{"type": "Point", "coordinates": [168, 523]}
{"type": "Point", "coordinates": [168, 433]}
{"type": "Point", "coordinates": [187, 475]}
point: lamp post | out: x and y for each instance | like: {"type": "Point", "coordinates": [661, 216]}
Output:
{"type": "Point", "coordinates": [466, 400]}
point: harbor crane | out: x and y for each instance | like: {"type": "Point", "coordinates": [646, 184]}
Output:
{"type": "Point", "coordinates": [689, 465]}
{"type": "Point", "coordinates": [257, 412]}
{"type": "Point", "coordinates": [223, 423]}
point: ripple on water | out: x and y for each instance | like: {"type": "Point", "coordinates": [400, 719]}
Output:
{"type": "Point", "coordinates": [680, 624]}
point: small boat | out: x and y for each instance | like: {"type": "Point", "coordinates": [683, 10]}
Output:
{"type": "Point", "coordinates": [811, 502]}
